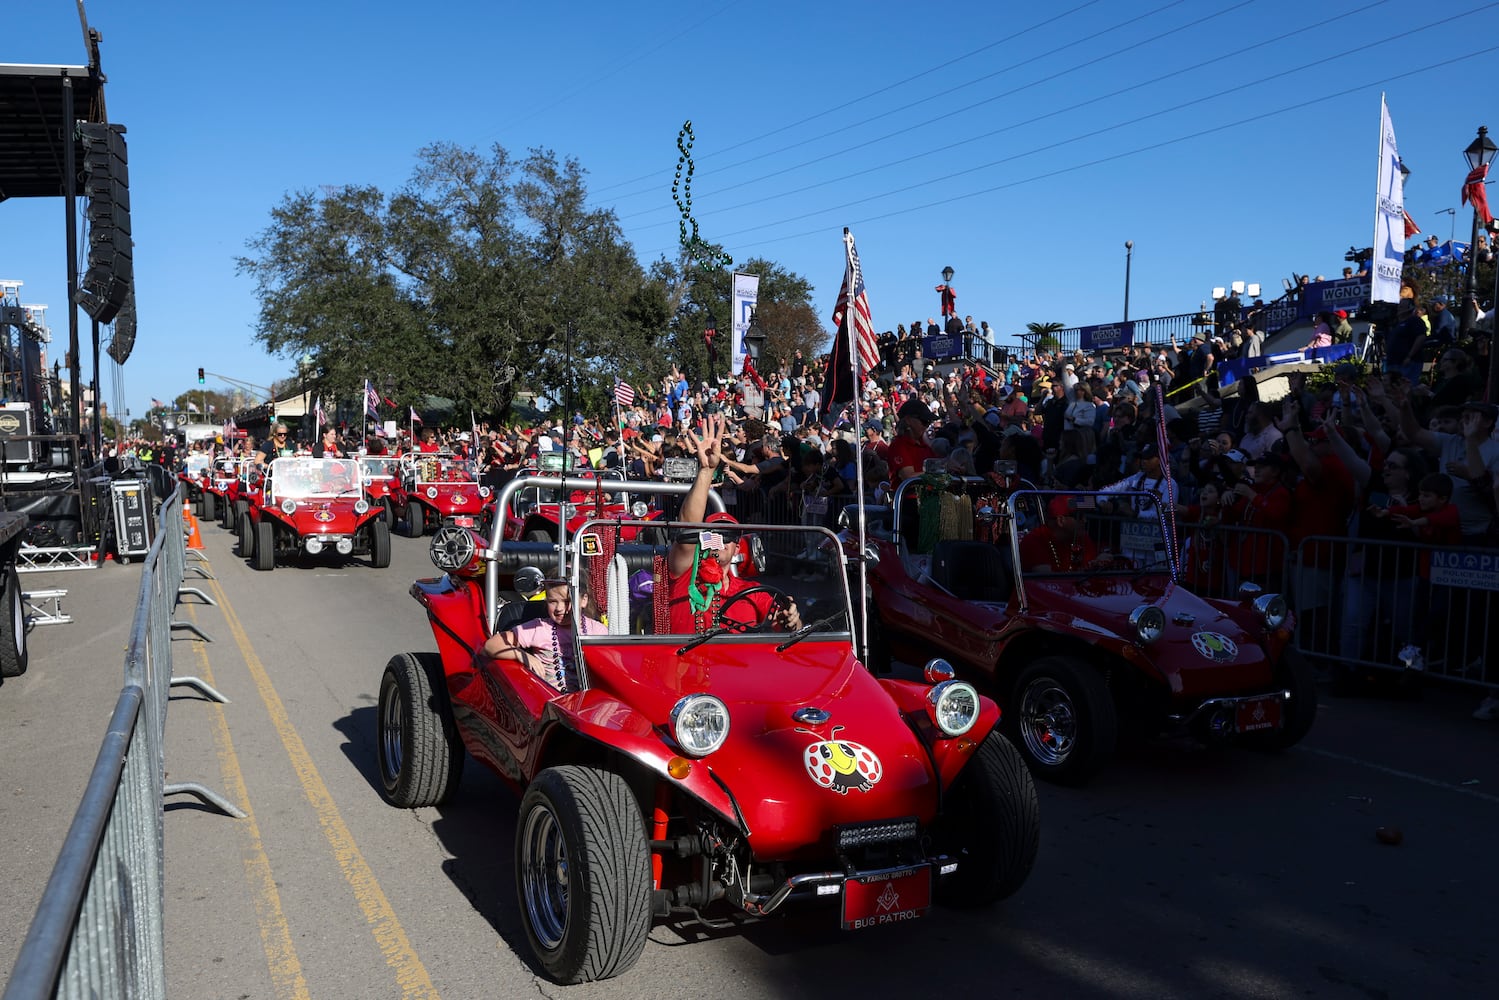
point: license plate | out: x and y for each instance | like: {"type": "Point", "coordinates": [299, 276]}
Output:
{"type": "Point", "coordinates": [887, 897]}
{"type": "Point", "coordinates": [1261, 713]}
{"type": "Point", "coordinates": [462, 522]}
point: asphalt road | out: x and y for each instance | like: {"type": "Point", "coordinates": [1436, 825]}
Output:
{"type": "Point", "coordinates": [1180, 872]}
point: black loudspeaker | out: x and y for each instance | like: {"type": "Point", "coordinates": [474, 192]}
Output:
{"type": "Point", "coordinates": [16, 423]}
{"type": "Point", "coordinates": [111, 272]}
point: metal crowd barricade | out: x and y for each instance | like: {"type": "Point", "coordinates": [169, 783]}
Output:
{"type": "Point", "coordinates": [1398, 605]}
{"type": "Point", "coordinates": [98, 928]}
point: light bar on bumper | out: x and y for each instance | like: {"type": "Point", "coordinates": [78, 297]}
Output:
{"type": "Point", "coordinates": [878, 832]}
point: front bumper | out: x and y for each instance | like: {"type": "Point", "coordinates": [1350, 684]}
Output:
{"type": "Point", "coordinates": [1221, 718]}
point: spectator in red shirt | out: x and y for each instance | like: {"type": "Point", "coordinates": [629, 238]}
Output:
{"type": "Point", "coordinates": [1264, 503]}
{"type": "Point", "coordinates": [909, 451]}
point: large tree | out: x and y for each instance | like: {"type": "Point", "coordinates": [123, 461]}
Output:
{"type": "Point", "coordinates": [475, 281]}
{"type": "Point", "coordinates": [700, 297]}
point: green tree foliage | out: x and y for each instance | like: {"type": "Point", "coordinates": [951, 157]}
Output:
{"type": "Point", "coordinates": [697, 297]}
{"type": "Point", "coordinates": [478, 268]}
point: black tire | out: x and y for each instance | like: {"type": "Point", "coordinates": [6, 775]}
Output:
{"type": "Point", "coordinates": [415, 520]}
{"type": "Point", "coordinates": [992, 822]}
{"type": "Point", "coordinates": [226, 515]}
{"type": "Point", "coordinates": [14, 656]}
{"type": "Point", "coordinates": [420, 753]}
{"type": "Point", "coordinates": [587, 823]}
{"type": "Point", "coordinates": [245, 528]}
{"type": "Point", "coordinates": [1300, 712]}
{"type": "Point", "coordinates": [540, 535]}
{"type": "Point", "coordinates": [1062, 720]}
{"type": "Point", "coordinates": [379, 544]}
{"type": "Point", "coordinates": [198, 505]}
{"type": "Point", "coordinates": [263, 556]}
{"type": "Point", "coordinates": [210, 509]}
{"type": "Point", "coordinates": [388, 512]}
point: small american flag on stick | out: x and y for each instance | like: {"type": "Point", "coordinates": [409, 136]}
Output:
{"type": "Point", "coordinates": [624, 393]}
{"type": "Point", "coordinates": [371, 400]}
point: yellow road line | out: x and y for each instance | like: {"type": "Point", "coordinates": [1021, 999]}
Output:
{"type": "Point", "coordinates": [275, 933]}
{"type": "Point", "coordinates": [411, 974]}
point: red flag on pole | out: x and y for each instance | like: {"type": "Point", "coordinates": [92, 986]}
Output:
{"type": "Point", "coordinates": [1411, 229]}
{"type": "Point", "coordinates": [1473, 192]}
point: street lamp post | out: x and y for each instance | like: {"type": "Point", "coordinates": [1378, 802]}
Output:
{"type": "Point", "coordinates": [1129, 252]}
{"type": "Point", "coordinates": [1478, 154]}
{"type": "Point", "coordinates": [754, 341]}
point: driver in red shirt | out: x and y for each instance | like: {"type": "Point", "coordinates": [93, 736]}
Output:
{"type": "Point", "coordinates": [1061, 546]}
{"type": "Point", "coordinates": [700, 564]}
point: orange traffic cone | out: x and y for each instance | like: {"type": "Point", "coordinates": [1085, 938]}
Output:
{"type": "Point", "coordinates": [194, 540]}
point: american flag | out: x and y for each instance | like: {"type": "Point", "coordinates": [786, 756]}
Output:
{"type": "Point", "coordinates": [371, 400]}
{"type": "Point", "coordinates": [863, 324]}
{"type": "Point", "coordinates": [624, 394]}
{"type": "Point", "coordinates": [414, 418]}
{"type": "Point", "coordinates": [318, 414]}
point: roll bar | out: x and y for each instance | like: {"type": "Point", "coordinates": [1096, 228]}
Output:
{"type": "Point", "coordinates": [567, 484]}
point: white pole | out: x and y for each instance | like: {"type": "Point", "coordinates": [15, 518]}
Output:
{"type": "Point", "coordinates": [853, 356]}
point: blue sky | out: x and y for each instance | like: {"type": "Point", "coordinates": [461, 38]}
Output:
{"type": "Point", "coordinates": [1233, 140]}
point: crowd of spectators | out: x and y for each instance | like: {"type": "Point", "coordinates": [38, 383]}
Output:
{"type": "Point", "coordinates": [1401, 455]}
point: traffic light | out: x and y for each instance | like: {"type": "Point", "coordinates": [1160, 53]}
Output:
{"type": "Point", "coordinates": [200, 376]}
{"type": "Point", "coordinates": [106, 183]}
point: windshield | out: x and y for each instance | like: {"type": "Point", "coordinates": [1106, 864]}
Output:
{"type": "Point", "coordinates": [380, 468]}
{"type": "Point", "coordinates": [1092, 533]}
{"type": "Point", "coordinates": [777, 580]}
{"type": "Point", "coordinates": [198, 463]}
{"type": "Point", "coordinates": [1049, 532]}
{"type": "Point", "coordinates": [298, 477]}
{"type": "Point", "coordinates": [443, 469]}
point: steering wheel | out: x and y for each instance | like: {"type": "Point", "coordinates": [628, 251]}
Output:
{"type": "Point", "coordinates": [742, 628]}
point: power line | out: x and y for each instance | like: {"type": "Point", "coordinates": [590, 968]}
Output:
{"type": "Point", "coordinates": [821, 231]}
{"type": "Point", "coordinates": [843, 151]}
{"type": "Point", "coordinates": [1239, 50]}
{"type": "Point", "coordinates": [617, 69]}
{"type": "Point", "coordinates": [924, 74]}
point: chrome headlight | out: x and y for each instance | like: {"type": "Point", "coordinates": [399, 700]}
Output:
{"type": "Point", "coordinates": [1272, 607]}
{"type": "Point", "coordinates": [484, 491]}
{"type": "Point", "coordinates": [361, 505]}
{"type": "Point", "coordinates": [640, 509]}
{"type": "Point", "coordinates": [700, 724]}
{"type": "Point", "coordinates": [431, 492]}
{"type": "Point", "coordinates": [953, 707]}
{"type": "Point", "coordinates": [314, 545]}
{"type": "Point", "coordinates": [288, 507]}
{"type": "Point", "coordinates": [1149, 622]}
{"type": "Point", "coordinates": [1249, 591]}
{"type": "Point", "coordinates": [938, 670]}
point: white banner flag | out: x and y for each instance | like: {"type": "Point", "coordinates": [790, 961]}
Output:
{"type": "Point", "coordinates": [746, 295]}
{"type": "Point", "coordinates": [1389, 215]}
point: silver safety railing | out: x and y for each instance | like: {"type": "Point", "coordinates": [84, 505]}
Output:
{"type": "Point", "coordinates": [98, 928]}
{"type": "Point", "coordinates": [1399, 606]}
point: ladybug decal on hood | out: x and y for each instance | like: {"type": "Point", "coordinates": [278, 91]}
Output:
{"type": "Point", "coordinates": [841, 764]}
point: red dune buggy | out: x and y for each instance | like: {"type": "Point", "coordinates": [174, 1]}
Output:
{"type": "Point", "coordinates": [435, 487]}
{"type": "Point", "coordinates": [313, 505]}
{"type": "Point", "coordinates": [700, 776]}
{"type": "Point", "coordinates": [382, 484]}
{"type": "Point", "coordinates": [536, 514]}
{"type": "Point", "coordinates": [1066, 609]}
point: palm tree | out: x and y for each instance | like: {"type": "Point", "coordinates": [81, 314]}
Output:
{"type": "Point", "coordinates": [1043, 336]}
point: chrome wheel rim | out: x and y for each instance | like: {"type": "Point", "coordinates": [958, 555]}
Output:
{"type": "Point", "coordinates": [18, 619]}
{"type": "Point", "coordinates": [391, 735]}
{"type": "Point", "coordinates": [544, 876]}
{"type": "Point", "coordinates": [1048, 721]}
